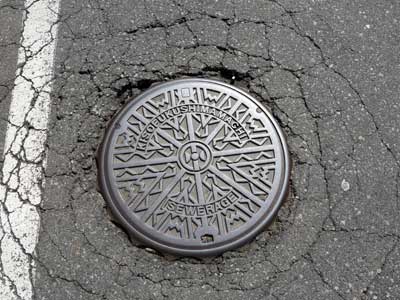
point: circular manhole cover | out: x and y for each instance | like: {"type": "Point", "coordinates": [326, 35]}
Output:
{"type": "Point", "coordinates": [194, 167]}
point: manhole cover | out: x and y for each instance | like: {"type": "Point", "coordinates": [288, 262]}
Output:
{"type": "Point", "coordinates": [194, 167]}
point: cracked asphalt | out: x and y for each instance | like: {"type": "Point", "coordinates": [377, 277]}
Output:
{"type": "Point", "coordinates": [328, 70]}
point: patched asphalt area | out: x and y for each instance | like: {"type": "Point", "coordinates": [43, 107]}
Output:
{"type": "Point", "coordinates": [328, 72]}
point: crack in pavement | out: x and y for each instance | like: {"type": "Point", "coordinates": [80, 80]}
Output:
{"type": "Point", "coordinates": [24, 153]}
{"type": "Point", "coordinates": [109, 52]}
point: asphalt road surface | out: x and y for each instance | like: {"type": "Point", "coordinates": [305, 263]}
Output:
{"type": "Point", "coordinates": [329, 72]}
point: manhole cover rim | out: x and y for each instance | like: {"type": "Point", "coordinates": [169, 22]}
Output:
{"type": "Point", "coordinates": [249, 234]}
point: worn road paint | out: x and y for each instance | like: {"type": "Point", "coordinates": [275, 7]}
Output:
{"type": "Point", "coordinates": [24, 151]}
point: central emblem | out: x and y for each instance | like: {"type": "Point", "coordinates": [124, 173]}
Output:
{"type": "Point", "coordinates": [194, 167]}
{"type": "Point", "coordinates": [195, 156]}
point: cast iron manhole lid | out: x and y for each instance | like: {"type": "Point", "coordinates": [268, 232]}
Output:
{"type": "Point", "coordinates": [194, 167]}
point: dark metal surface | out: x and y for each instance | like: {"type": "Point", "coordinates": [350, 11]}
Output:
{"type": "Point", "coordinates": [194, 167]}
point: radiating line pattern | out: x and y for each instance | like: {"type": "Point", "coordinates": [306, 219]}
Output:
{"type": "Point", "coordinates": [195, 161]}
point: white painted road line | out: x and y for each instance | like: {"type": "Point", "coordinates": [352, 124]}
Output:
{"type": "Point", "coordinates": [24, 151]}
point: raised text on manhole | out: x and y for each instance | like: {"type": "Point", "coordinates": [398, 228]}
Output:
{"type": "Point", "coordinates": [184, 109]}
